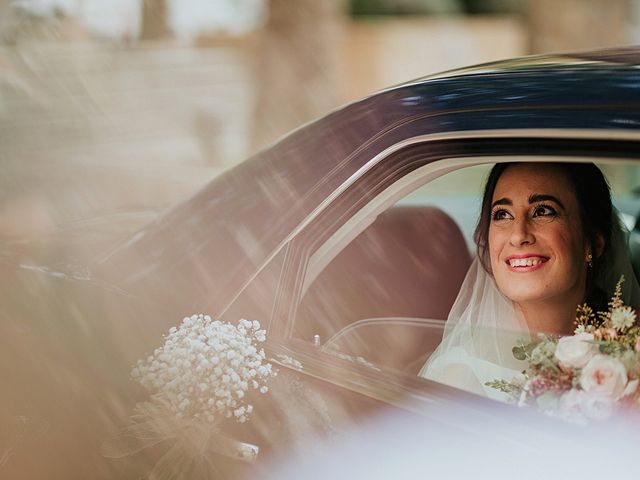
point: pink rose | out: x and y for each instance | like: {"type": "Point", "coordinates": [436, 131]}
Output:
{"type": "Point", "coordinates": [571, 406]}
{"type": "Point", "coordinates": [597, 407]}
{"type": "Point", "coordinates": [578, 406]}
{"type": "Point", "coordinates": [604, 375]}
{"type": "Point", "coordinates": [576, 351]}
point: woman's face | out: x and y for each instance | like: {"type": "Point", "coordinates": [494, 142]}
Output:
{"type": "Point", "coordinates": [537, 248]}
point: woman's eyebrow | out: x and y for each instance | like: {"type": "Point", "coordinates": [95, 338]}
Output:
{"type": "Point", "coordinates": [541, 197]}
{"type": "Point", "coordinates": [502, 201]}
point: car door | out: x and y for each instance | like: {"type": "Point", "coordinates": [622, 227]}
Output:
{"type": "Point", "coordinates": [326, 361]}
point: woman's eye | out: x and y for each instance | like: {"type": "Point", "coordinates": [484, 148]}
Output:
{"type": "Point", "coordinates": [500, 214]}
{"type": "Point", "coordinates": [544, 211]}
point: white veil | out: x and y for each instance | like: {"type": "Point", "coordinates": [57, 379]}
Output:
{"type": "Point", "coordinates": [481, 330]}
{"type": "Point", "coordinates": [483, 326]}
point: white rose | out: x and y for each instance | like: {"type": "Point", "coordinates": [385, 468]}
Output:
{"type": "Point", "coordinates": [578, 406]}
{"type": "Point", "coordinates": [577, 350]}
{"type": "Point", "coordinates": [597, 407]}
{"type": "Point", "coordinates": [631, 387]}
{"type": "Point", "coordinates": [571, 406]}
{"type": "Point", "coordinates": [604, 375]}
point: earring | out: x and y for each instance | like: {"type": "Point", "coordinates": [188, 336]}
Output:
{"type": "Point", "coordinates": [590, 260]}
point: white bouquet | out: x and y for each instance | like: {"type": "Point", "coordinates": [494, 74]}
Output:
{"type": "Point", "coordinates": [205, 368]}
{"type": "Point", "coordinates": [200, 376]}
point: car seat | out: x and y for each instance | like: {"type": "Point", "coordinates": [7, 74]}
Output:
{"type": "Point", "coordinates": [410, 262]}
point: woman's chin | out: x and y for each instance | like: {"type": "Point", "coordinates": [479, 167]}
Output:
{"type": "Point", "coordinates": [524, 292]}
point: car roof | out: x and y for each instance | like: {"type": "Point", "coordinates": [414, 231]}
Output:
{"type": "Point", "coordinates": [627, 56]}
{"type": "Point", "coordinates": [211, 244]}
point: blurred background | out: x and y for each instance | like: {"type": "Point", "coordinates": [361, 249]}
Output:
{"type": "Point", "coordinates": [116, 109]}
{"type": "Point", "coordinates": [112, 111]}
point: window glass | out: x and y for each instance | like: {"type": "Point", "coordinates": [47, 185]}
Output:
{"type": "Point", "coordinates": [624, 181]}
{"type": "Point", "coordinates": [384, 298]}
{"type": "Point", "coordinates": [458, 194]}
{"type": "Point", "coordinates": [390, 289]}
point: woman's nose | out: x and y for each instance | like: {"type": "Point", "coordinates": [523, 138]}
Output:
{"type": "Point", "coordinates": [521, 233]}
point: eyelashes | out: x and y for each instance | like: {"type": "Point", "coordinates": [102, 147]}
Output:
{"type": "Point", "coordinates": [500, 214]}
{"type": "Point", "coordinates": [543, 210]}
{"type": "Point", "coordinates": [540, 211]}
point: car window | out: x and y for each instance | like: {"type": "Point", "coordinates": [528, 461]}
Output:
{"type": "Point", "coordinates": [458, 194]}
{"type": "Point", "coordinates": [384, 298]}
{"type": "Point", "coordinates": [390, 289]}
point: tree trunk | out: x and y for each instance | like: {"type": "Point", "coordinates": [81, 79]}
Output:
{"type": "Point", "coordinates": [573, 25]}
{"type": "Point", "coordinates": [296, 61]}
{"type": "Point", "coordinates": [154, 20]}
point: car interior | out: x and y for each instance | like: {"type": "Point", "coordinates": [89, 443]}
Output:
{"type": "Point", "coordinates": [410, 262]}
{"type": "Point", "coordinates": [385, 296]}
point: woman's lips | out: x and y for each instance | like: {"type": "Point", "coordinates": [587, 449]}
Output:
{"type": "Point", "coordinates": [525, 263]}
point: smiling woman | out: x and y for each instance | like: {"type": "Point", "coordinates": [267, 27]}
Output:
{"type": "Point", "coordinates": [538, 243]}
{"type": "Point", "coordinates": [547, 242]}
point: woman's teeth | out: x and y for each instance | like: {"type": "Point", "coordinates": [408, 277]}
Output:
{"type": "Point", "coordinates": [525, 262]}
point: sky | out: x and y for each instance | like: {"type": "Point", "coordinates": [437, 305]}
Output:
{"type": "Point", "coordinates": [187, 18]}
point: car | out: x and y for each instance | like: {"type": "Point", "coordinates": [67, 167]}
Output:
{"type": "Point", "coordinates": [348, 240]}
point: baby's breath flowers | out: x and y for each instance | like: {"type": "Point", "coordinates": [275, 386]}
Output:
{"type": "Point", "coordinates": [206, 367]}
{"type": "Point", "coordinates": [199, 377]}
{"type": "Point", "coordinates": [581, 377]}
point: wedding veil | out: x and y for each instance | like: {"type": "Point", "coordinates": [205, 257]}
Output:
{"type": "Point", "coordinates": [483, 326]}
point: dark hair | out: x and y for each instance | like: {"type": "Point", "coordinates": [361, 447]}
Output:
{"type": "Point", "coordinates": [594, 198]}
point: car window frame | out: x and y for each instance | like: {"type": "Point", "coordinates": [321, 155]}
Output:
{"type": "Point", "coordinates": [402, 161]}
{"type": "Point", "coordinates": [393, 387]}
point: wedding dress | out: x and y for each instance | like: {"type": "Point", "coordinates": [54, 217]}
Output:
{"type": "Point", "coordinates": [483, 326]}
{"type": "Point", "coordinates": [481, 330]}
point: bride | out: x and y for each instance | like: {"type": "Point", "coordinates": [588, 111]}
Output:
{"type": "Point", "coordinates": [548, 240]}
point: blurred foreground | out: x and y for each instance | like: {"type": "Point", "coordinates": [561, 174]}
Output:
{"type": "Point", "coordinates": [98, 138]}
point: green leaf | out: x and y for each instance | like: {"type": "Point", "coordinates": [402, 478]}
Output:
{"type": "Point", "coordinates": [504, 386]}
{"type": "Point", "coordinates": [519, 352]}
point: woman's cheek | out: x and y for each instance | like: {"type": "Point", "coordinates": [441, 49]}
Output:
{"type": "Point", "coordinates": [495, 247]}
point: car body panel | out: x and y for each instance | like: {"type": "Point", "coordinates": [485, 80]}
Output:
{"type": "Point", "coordinates": [214, 243]}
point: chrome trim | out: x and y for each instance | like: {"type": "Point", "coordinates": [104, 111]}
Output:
{"type": "Point", "coordinates": [395, 388]}
{"type": "Point", "coordinates": [414, 321]}
{"type": "Point", "coordinates": [591, 134]}
{"type": "Point", "coordinates": [506, 133]}
{"type": "Point", "coordinates": [428, 399]}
